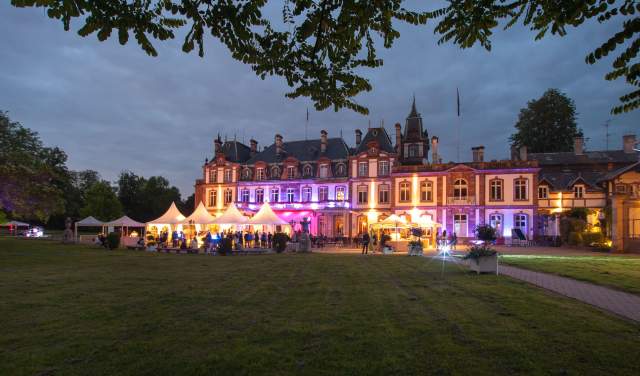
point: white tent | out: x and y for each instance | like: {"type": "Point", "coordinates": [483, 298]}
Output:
{"type": "Point", "coordinates": [171, 217]}
{"type": "Point", "coordinates": [87, 222]}
{"type": "Point", "coordinates": [15, 224]}
{"type": "Point", "coordinates": [124, 221]}
{"type": "Point", "coordinates": [266, 216]}
{"type": "Point", "coordinates": [231, 216]}
{"type": "Point", "coordinates": [200, 216]}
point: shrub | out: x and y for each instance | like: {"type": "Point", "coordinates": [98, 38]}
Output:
{"type": "Point", "coordinates": [477, 251]}
{"type": "Point", "coordinates": [113, 240]}
{"type": "Point", "coordinates": [592, 238]}
{"type": "Point", "coordinates": [280, 240]}
{"type": "Point", "coordinates": [569, 225]}
{"type": "Point", "coordinates": [579, 213]}
{"type": "Point", "coordinates": [486, 233]}
{"type": "Point", "coordinates": [575, 238]}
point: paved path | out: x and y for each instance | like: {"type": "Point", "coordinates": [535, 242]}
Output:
{"type": "Point", "coordinates": [618, 302]}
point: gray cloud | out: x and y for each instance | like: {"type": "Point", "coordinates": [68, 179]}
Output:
{"type": "Point", "coordinates": [113, 108]}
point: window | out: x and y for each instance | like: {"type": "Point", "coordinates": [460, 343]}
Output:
{"type": "Point", "coordinates": [495, 190]}
{"type": "Point", "coordinates": [460, 225]}
{"type": "Point", "coordinates": [260, 175]}
{"type": "Point", "coordinates": [578, 191]}
{"type": "Point", "coordinates": [363, 194]}
{"type": "Point", "coordinates": [495, 221]}
{"type": "Point", "coordinates": [213, 175]}
{"type": "Point", "coordinates": [244, 195]}
{"type": "Point", "coordinates": [213, 198]}
{"type": "Point", "coordinates": [291, 172]}
{"type": "Point", "coordinates": [290, 194]}
{"type": "Point", "coordinates": [520, 221]}
{"type": "Point", "coordinates": [275, 194]}
{"type": "Point", "coordinates": [306, 194]}
{"type": "Point", "coordinates": [341, 169]}
{"type": "Point", "coordinates": [275, 172]}
{"type": "Point", "coordinates": [307, 170]}
{"type": "Point", "coordinates": [414, 151]}
{"type": "Point", "coordinates": [324, 171]}
{"type": "Point", "coordinates": [259, 195]}
{"type": "Point", "coordinates": [341, 193]}
{"type": "Point", "coordinates": [460, 189]}
{"type": "Point", "coordinates": [363, 169]}
{"type": "Point", "coordinates": [426, 191]}
{"type": "Point", "coordinates": [227, 175]}
{"type": "Point", "coordinates": [405, 191]}
{"type": "Point", "coordinates": [228, 195]}
{"type": "Point", "coordinates": [383, 194]}
{"type": "Point", "coordinates": [323, 193]}
{"type": "Point", "coordinates": [246, 173]}
{"type": "Point", "coordinates": [520, 187]}
{"type": "Point", "coordinates": [543, 191]}
{"type": "Point", "coordinates": [383, 168]}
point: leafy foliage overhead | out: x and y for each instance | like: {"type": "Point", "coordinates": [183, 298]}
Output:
{"type": "Point", "coordinates": [320, 47]}
{"type": "Point", "coordinates": [548, 124]}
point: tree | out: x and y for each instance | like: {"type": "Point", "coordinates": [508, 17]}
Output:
{"type": "Point", "coordinates": [31, 175]}
{"type": "Point", "coordinates": [320, 47]}
{"type": "Point", "coordinates": [102, 202]}
{"type": "Point", "coordinates": [146, 199]}
{"type": "Point", "coordinates": [547, 124]}
{"type": "Point", "coordinates": [188, 205]}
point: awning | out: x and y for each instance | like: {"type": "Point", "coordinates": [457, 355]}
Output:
{"type": "Point", "coordinates": [231, 216]}
{"type": "Point", "coordinates": [266, 216]}
{"type": "Point", "coordinates": [171, 217]}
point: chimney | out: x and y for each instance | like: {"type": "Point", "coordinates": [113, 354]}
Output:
{"type": "Point", "coordinates": [323, 141]}
{"type": "Point", "coordinates": [514, 152]}
{"type": "Point", "coordinates": [523, 153]}
{"type": "Point", "coordinates": [278, 142]}
{"type": "Point", "coordinates": [398, 138]}
{"type": "Point", "coordinates": [434, 150]}
{"type": "Point", "coordinates": [478, 153]}
{"type": "Point", "coordinates": [254, 146]}
{"type": "Point", "coordinates": [217, 145]}
{"type": "Point", "coordinates": [358, 136]}
{"type": "Point", "coordinates": [578, 145]}
{"type": "Point", "coordinates": [628, 143]}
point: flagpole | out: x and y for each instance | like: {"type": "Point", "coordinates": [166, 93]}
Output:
{"type": "Point", "coordinates": [306, 125]}
{"type": "Point", "coordinates": [458, 106]}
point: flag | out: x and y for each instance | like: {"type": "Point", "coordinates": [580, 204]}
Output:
{"type": "Point", "coordinates": [458, 98]}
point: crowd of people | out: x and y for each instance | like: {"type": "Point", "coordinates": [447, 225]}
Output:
{"type": "Point", "coordinates": [224, 241]}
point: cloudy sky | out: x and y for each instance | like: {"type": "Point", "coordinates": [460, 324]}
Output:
{"type": "Point", "coordinates": [113, 108]}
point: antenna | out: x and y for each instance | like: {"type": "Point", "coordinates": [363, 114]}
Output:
{"type": "Point", "coordinates": [606, 133]}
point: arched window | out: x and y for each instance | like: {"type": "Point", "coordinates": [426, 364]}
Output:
{"type": "Point", "coordinates": [520, 189]}
{"type": "Point", "coordinates": [426, 191]}
{"type": "Point", "coordinates": [259, 195]}
{"type": "Point", "coordinates": [246, 173]}
{"type": "Point", "coordinates": [405, 191]}
{"type": "Point", "coordinates": [496, 190]}
{"type": "Point", "coordinates": [324, 170]}
{"type": "Point", "coordinates": [460, 189]}
{"type": "Point", "coordinates": [307, 171]}
{"type": "Point", "coordinates": [275, 172]}
{"type": "Point", "coordinates": [341, 169]}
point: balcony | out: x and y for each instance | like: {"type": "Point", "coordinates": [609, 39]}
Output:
{"type": "Point", "coordinates": [466, 200]}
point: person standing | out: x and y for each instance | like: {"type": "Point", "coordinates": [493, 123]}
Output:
{"type": "Point", "coordinates": [365, 243]}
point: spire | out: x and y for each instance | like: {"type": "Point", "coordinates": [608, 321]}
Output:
{"type": "Point", "coordinates": [414, 112]}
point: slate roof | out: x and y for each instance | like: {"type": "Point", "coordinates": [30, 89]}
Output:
{"type": "Point", "coordinates": [589, 157]}
{"type": "Point", "coordinates": [378, 134]}
{"type": "Point", "coordinates": [304, 151]}
{"type": "Point", "coordinates": [236, 152]}
{"type": "Point", "coordinates": [564, 181]}
{"type": "Point", "coordinates": [615, 173]}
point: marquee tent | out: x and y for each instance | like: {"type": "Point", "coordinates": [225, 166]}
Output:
{"type": "Point", "coordinates": [200, 216]}
{"type": "Point", "coordinates": [171, 217]}
{"type": "Point", "coordinates": [231, 216]}
{"type": "Point", "coordinates": [266, 216]}
{"type": "Point", "coordinates": [124, 221]}
{"type": "Point", "coordinates": [15, 224]}
{"type": "Point", "coordinates": [87, 222]}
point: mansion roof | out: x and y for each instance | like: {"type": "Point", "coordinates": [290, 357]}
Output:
{"type": "Point", "coordinates": [235, 151]}
{"type": "Point", "coordinates": [379, 135]}
{"type": "Point", "coordinates": [587, 158]}
{"type": "Point", "coordinates": [304, 151]}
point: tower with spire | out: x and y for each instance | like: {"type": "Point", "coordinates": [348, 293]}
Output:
{"type": "Point", "coordinates": [414, 142]}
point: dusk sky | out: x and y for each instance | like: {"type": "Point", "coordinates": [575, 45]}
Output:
{"type": "Point", "coordinates": [113, 108]}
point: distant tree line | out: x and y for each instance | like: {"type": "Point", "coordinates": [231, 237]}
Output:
{"type": "Point", "coordinates": [37, 185]}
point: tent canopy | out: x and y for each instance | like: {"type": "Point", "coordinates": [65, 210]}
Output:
{"type": "Point", "coordinates": [15, 223]}
{"type": "Point", "coordinates": [171, 217]}
{"type": "Point", "coordinates": [90, 222]}
{"type": "Point", "coordinates": [266, 216]}
{"type": "Point", "coordinates": [231, 216]}
{"type": "Point", "coordinates": [200, 216]}
{"type": "Point", "coordinates": [124, 221]}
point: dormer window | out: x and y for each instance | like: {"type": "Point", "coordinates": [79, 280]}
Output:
{"type": "Point", "coordinates": [324, 171]}
{"type": "Point", "coordinates": [275, 172]}
{"type": "Point", "coordinates": [291, 172]}
{"type": "Point", "coordinates": [578, 191]}
{"type": "Point", "coordinates": [543, 192]}
{"type": "Point", "coordinates": [246, 173]}
{"type": "Point", "coordinates": [307, 171]}
{"type": "Point", "coordinates": [373, 150]}
{"type": "Point", "coordinates": [341, 169]}
{"type": "Point", "coordinates": [260, 175]}
{"type": "Point", "coordinates": [414, 151]}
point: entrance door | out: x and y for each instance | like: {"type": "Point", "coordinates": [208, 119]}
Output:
{"type": "Point", "coordinates": [363, 224]}
{"type": "Point", "coordinates": [338, 225]}
{"type": "Point", "coordinates": [460, 225]}
{"type": "Point", "coordinates": [495, 221]}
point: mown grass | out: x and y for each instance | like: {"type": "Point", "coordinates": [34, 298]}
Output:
{"type": "Point", "coordinates": [70, 310]}
{"type": "Point", "coordinates": [619, 272]}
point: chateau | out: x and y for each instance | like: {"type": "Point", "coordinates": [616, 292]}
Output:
{"type": "Point", "coordinates": [343, 189]}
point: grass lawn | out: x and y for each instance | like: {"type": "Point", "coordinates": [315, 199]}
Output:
{"type": "Point", "coordinates": [71, 310]}
{"type": "Point", "coordinates": [619, 272]}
